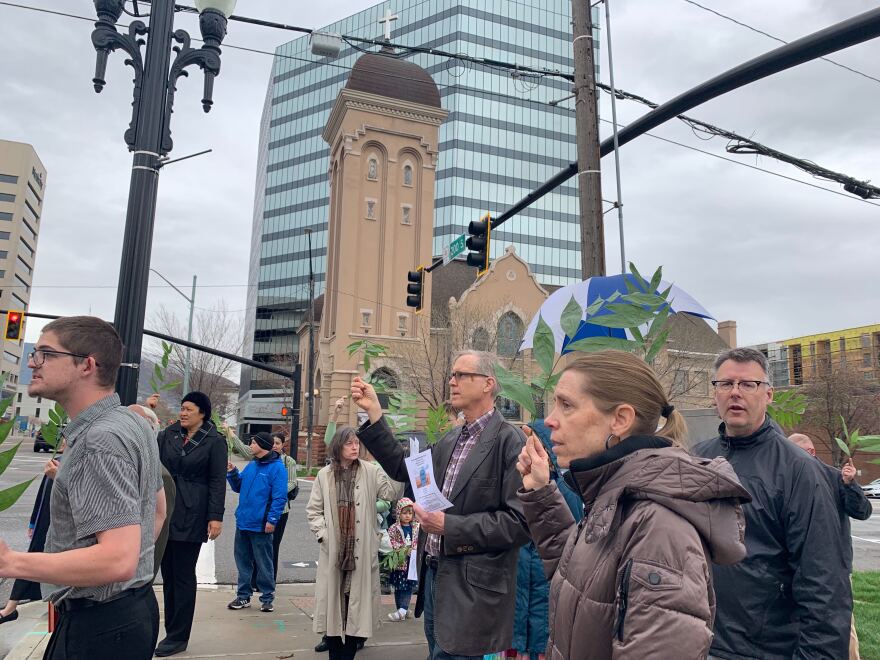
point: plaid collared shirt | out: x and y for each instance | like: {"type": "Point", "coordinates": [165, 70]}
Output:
{"type": "Point", "coordinates": [467, 440]}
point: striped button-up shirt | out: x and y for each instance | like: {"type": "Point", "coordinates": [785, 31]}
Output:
{"type": "Point", "coordinates": [108, 479]}
{"type": "Point", "coordinates": [467, 440]}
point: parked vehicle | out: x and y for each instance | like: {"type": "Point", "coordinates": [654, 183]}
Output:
{"type": "Point", "coordinates": [40, 444]}
{"type": "Point", "coordinates": [872, 489]}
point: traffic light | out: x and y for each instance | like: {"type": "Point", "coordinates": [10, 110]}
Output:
{"type": "Point", "coordinates": [478, 243]}
{"type": "Point", "coordinates": [286, 412]}
{"type": "Point", "coordinates": [13, 325]}
{"type": "Point", "coordinates": [415, 288]}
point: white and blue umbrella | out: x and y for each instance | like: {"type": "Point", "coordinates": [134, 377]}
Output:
{"type": "Point", "coordinates": [588, 292]}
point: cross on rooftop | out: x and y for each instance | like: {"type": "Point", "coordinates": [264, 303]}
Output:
{"type": "Point", "coordinates": [387, 21]}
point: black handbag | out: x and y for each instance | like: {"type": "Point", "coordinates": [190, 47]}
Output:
{"type": "Point", "coordinates": [292, 493]}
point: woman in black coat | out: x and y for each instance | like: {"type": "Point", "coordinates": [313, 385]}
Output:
{"type": "Point", "coordinates": [37, 529]}
{"type": "Point", "coordinates": [194, 452]}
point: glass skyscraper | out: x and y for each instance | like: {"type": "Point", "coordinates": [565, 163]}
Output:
{"type": "Point", "coordinates": [500, 141]}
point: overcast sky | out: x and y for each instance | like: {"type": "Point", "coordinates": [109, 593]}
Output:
{"type": "Point", "coordinates": [781, 258]}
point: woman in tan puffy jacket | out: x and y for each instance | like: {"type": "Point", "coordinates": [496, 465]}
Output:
{"type": "Point", "coordinates": [632, 580]}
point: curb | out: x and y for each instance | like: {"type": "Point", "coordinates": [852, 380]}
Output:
{"type": "Point", "coordinates": [34, 642]}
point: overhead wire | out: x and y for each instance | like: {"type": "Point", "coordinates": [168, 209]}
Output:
{"type": "Point", "coordinates": [739, 144]}
{"type": "Point", "coordinates": [775, 38]}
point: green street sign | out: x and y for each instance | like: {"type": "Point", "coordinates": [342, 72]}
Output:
{"type": "Point", "coordinates": [455, 248]}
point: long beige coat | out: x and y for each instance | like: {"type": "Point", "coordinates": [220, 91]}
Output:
{"type": "Point", "coordinates": [371, 483]}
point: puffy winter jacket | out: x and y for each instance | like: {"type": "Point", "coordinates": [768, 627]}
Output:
{"type": "Point", "coordinates": [790, 598]}
{"type": "Point", "coordinates": [632, 579]}
{"type": "Point", "coordinates": [263, 492]}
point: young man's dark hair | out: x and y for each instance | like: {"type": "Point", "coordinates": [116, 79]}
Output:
{"type": "Point", "coordinates": [88, 335]}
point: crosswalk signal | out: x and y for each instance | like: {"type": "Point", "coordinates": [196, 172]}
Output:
{"type": "Point", "coordinates": [478, 243]}
{"type": "Point", "coordinates": [286, 412]}
{"type": "Point", "coordinates": [415, 288]}
{"type": "Point", "coordinates": [13, 325]}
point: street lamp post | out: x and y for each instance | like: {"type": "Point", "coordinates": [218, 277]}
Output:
{"type": "Point", "coordinates": [311, 360]}
{"type": "Point", "coordinates": [189, 330]}
{"type": "Point", "coordinates": [149, 138]}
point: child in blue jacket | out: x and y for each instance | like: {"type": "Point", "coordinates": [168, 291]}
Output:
{"type": "Point", "coordinates": [263, 493]}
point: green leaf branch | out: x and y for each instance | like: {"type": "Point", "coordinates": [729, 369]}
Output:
{"type": "Point", "coordinates": [160, 369]}
{"type": "Point", "coordinates": [787, 408]}
{"type": "Point", "coordinates": [642, 311]}
{"type": "Point", "coordinates": [852, 442]}
{"type": "Point", "coordinates": [9, 496]}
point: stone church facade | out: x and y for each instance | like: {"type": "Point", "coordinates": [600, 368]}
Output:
{"type": "Point", "coordinates": [383, 135]}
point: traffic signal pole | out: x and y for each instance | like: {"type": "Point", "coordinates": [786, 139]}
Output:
{"type": "Point", "coordinates": [853, 31]}
{"type": "Point", "coordinates": [587, 131]}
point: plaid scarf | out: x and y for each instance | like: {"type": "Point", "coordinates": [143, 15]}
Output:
{"type": "Point", "coordinates": [345, 507]}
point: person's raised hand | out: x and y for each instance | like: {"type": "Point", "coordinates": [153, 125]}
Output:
{"type": "Point", "coordinates": [533, 463]}
{"type": "Point", "coordinates": [152, 401]}
{"type": "Point", "coordinates": [51, 468]}
{"type": "Point", "coordinates": [848, 472]}
{"type": "Point", "coordinates": [364, 396]}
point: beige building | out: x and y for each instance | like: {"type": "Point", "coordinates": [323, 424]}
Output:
{"type": "Point", "coordinates": [22, 189]}
{"type": "Point", "coordinates": [383, 139]}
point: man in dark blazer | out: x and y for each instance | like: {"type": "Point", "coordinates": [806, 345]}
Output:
{"type": "Point", "coordinates": [468, 553]}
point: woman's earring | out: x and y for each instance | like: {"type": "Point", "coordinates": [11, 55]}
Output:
{"type": "Point", "coordinates": [608, 441]}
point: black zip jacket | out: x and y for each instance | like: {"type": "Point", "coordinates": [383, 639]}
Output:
{"type": "Point", "coordinates": [851, 503]}
{"type": "Point", "coordinates": [790, 598]}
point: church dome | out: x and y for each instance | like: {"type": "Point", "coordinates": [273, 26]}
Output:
{"type": "Point", "coordinates": [392, 77]}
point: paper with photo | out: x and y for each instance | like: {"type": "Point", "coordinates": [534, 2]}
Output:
{"type": "Point", "coordinates": [424, 485]}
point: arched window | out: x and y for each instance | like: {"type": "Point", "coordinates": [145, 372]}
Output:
{"type": "Point", "coordinates": [480, 340]}
{"type": "Point", "coordinates": [510, 334]}
{"type": "Point", "coordinates": [373, 169]}
{"type": "Point", "coordinates": [387, 382]}
{"type": "Point", "coordinates": [407, 175]}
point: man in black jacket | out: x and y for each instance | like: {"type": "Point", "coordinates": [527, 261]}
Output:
{"type": "Point", "coordinates": [851, 503]}
{"type": "Point", "coordinates": [790, 598]}
{"type": "Point", "coordinates": [467, 554]}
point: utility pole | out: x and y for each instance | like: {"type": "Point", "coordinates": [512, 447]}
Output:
{"type": "Point", "coordinates": [189, 334]}
{"type": "Point", "coordinates": [587, 126]}
{"type": "Point", "coordinates": [311, 361]}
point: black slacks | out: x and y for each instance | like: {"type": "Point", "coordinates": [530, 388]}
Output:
{"type": "Point", "coordinates": [340, 650]}
{"type": "Point", "coordinates": [126, 628]}
{"type": "Point", "coordinates": [179, 588]}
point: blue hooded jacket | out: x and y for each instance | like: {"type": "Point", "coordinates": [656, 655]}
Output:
{"type": "Point", "coordinates": [263, 492]}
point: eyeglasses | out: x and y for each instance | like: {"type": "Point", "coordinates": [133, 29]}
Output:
{"type": "Point", "coordinates": [458, 375]}
{"type": "Point", "coordinates": [745, 386]}
{"type": "Point", "coordinates": [38, 357]}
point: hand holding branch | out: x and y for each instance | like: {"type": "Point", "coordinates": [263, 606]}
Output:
{"type": "Point", "coordinates": [364, 396]}
{"type": "Point", "coordinates": [533, 463]}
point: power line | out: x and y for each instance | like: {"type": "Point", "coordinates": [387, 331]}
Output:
{"type": "Point", "coordinates": [743, 145]}
{"type": "Point", "coordinates": [775, 38]}
{"type": "Point", "coordinates": [692, 148]}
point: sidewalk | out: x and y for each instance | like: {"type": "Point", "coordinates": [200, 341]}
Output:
{"type": "Point", "coordinates": [285, 633]}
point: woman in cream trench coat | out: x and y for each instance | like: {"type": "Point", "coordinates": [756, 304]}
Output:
{"type": "Point", "coordinates": [371, 483]}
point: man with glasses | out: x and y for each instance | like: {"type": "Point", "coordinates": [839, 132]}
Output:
{"type": "Point", "coordinates": [107, 504]}
{"type": "Point", "coordinates": [468, 553]}
{"type": "Point", "coordinates": [790, 597]}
